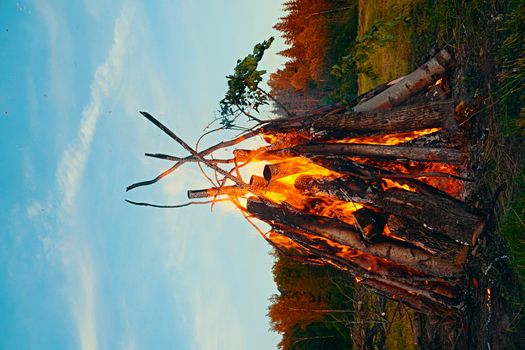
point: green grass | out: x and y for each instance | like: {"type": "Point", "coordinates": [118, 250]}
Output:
{"type": "Point", "coordinates": [512, 124]}
{"type": "Point", "coordinates": [513, 225]}
{"type": "Point", "coordinates": [391, 59]}
{"type": "Point", "coordinates": [487, 39]}
{"type": "Point", "coordinates": [400, 331]}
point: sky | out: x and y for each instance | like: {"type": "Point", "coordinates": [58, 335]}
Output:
{"type": "Point", "coordinates": [79, 267]}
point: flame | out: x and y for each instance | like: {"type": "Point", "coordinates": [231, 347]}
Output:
{"type": "Point", "coordinates": [388, 233]}
{"type": "Point", "coordinates": [391, 139]}
{"type": "Point", "coordinates": [389, 183]}
{"type": "Point", "coordinates": [283, 241]}
{"type": "Point", "coordinates": [282, 190]}
{"type": "Point", "coordinates": [453, 187]}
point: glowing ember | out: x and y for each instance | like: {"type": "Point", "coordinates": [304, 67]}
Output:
{"type": "Point", "coordinates": [391, 139]}
{"type": "Point", "coordinates": [283, 241]}
{"type": "Point", "coordinates": [389, 183]}
{"type": "Point", "coordinates": [453, 187]}
{"type": "Point", "coordinates": [389, 234]}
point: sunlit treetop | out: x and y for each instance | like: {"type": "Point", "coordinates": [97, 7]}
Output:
{"type": "Point", "coordinates": [244, 94]}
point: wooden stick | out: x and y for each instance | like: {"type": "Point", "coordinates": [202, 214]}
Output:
{"type": "Point", "coordinates": [444, 155]}
{"type": "Point", "coordinates": [409, 85]}
{"type": "Point", "coordinates": [344, 234]}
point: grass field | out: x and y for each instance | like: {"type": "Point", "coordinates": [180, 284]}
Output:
{"type": "Point", "coordinates": [393, 58]}
{"type": "Point", "coordinates": [486, 39]}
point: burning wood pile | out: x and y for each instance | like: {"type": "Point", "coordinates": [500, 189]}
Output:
{"type": "Point", "coordinates": [376, 192]}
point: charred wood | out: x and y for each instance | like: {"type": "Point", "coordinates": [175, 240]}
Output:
{"type": "Point", "coordinates": [422, 237]}
{"type": "Point", "coordinates": [395, 120]}
{"type": "Point", "coordinates": [370, 223]}
{"type": "Point", "coordinates": [444, 155]}
{"type": "Point", "coordinates": [346, 235]}
{"type": "Point", "coordinates": [445, 215]}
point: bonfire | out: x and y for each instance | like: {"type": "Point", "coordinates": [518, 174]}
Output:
{"type": "Point", "coordinates": [377, 191]}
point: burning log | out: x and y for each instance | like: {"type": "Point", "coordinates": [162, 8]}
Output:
{"type": "Point", "coordinates": [258, 182]}
{"type": "Point", "coordinates": [393, 280]}
{"type": "Point", "coordinates": [450, 217]}
{"type": "Point", "coordinates": [392, 121]}
{"type": "Point", "coordinates": [344, 234]}
{"type": "Point", "coordinates": [278, 170]}
{"type": "Point", "coordinates": [213, 192]}
{"type": "Point", "coordinates": [456, 221]}
{"type": "Point", "coordinates": [445, 155]}
{"type": "Point", "coordinates": [369, 223]}
{"type": "Point", "coordinates": [409, 85]}
{"type": "Point", "coordinates": [364, 170]}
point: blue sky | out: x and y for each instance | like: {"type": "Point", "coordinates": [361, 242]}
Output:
{"type": "Point", "coordinates": [80, 268]}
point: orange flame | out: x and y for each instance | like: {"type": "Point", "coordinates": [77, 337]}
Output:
{"type": "Point", "coordinates": [391, 139]}
{"type": "Point", "coordinates": [388, 233]}
{"type": "Point", "coordinates": [283, 241]}
{"type": "Point", "coordinates": [453, 187]}
{"type": "Point", "coordinates": [283, 191]}
{"type": "Point", "coordinates": [389, 183]}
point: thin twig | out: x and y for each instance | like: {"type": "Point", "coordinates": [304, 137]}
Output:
{"type": "Point", "coordinates": [169, 206]}
{"type": "Point", "coordinates": [190, 158]}
{"type": "Point", "coordinates": [178, 159]}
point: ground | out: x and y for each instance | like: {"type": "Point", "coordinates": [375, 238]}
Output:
{"type": "Point", "coordinates": [472, 32]}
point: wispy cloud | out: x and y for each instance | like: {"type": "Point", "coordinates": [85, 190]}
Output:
{"type": "Point", "coordinates": [73, 162]}
{"type": "Point", "coordinates": [60, 48]}
{"type": "Point", "coordinates": [216, 325]}
{"type": "Point", "coordinates": [76, 256]}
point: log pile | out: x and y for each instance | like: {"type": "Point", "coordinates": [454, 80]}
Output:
{"type": "Point", "coordinates": [376, 191]}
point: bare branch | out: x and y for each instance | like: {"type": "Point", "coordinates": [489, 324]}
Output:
{"type": "Point", "coordinates": [178, 159]}
{"type": "Point", "coordinates": [192, 157]}
{"type": "Point", "coordinates": [169, 206]}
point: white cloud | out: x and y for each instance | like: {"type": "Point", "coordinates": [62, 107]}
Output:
{"type": "Point", "coordinates": [216, 324]}
{"type": "Point", "coordinates": [83, 302]}
{"type": "Point", "coordinates": [75, 253]}
{"type": "Point", "coordinates": [34, 209]}
{"type": "Point", "coordinates": [73, 162]}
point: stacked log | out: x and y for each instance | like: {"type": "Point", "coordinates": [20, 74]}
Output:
{"type": "Point", "coordinates": [417, 234]}
{"type": "Point", "coordinates": [357, 190]}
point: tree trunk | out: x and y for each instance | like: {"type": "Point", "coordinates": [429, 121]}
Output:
{"type": "Point", "coordinates": [409, 85]}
